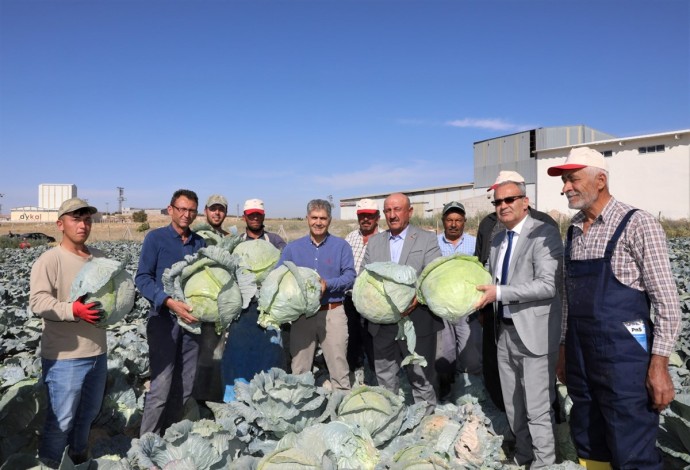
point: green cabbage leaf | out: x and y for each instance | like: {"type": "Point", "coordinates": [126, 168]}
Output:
{"type": "Point", "coordinates": [106, 281]}
{"type": "Point", "coordinates": [287, 293]}
{"type": "Point", "coordinates": [448, 285]}
{"type": "Point", "coordinates": [258, 256]}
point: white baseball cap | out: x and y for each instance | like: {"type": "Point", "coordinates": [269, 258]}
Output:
{"type": "Point", "coordinates": [254, 206]}
{"type": "Point", "coordinates": [367, 206]}
{"type": "Point", "coordinates": [580, 157]}
{"type": "Point", "coordinates": [506, 176]}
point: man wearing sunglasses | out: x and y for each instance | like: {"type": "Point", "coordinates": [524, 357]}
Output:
{"type": "Point", "coordinates": [613, 359]}
{"type": "Point", "coordinates": [173, 351]}
{"type": "Point", "coordinates": [526, 262]}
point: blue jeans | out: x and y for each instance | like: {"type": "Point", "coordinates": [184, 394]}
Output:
{"type": "Point", "coordinates": [75, 392]}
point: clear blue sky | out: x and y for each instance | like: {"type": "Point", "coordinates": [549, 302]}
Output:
{"type": "Point", "coordinates": [291, 100]}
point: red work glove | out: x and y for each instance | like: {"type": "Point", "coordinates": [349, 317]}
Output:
{"type": "Point", "coordinates": [91, 312]}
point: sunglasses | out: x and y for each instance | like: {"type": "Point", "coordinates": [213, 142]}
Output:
{"type": "Point", "coordinates": [508, 200]}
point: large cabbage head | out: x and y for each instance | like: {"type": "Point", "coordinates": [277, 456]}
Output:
{"type": "Point", "coordinates": [258, 256]}
{"type": "Point", "coordinates": [288, 292]}
{"type": "Point", "coordinates": [384, 290]}
{"type": "Point", "coordinates": [106, 281]}
{"type": "Point", "coordinates": [448, 285]}
{"type": "Point", "coordinates": [381, 412]}
{"type": "Point", "coordinates": [212, 282]}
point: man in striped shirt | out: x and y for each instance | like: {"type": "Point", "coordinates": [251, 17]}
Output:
{"type": "Point", "coordinates": [614, 358]}
{"type": "Point", "coordinates": [360, 342]}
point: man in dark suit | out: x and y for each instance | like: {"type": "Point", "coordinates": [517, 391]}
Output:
{"type": "Point", "coordinates": [526, 261]}
{"type": "Point", "coordinates": [405, 244]}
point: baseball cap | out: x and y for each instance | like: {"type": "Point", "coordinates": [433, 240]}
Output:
{"type": "Point", "coordinates": [453, 205]}
{"type": "Point", "coordinates": [579, 157]}
{"type": "Point", "coordinates": [367, 206]}
{"type": "Point", "coordinates": [505, 176]}
{"type": "Point", "coordinates": [217, 199]}
{"type": "Point", "coordinates": [252, 206]}
{"type": "Point", "coordinates": [74, 204]}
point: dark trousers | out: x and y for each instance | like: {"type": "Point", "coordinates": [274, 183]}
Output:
{"type": "Point", "coordinates": [492, 381]}
{"type": "Point", "coordinates": [360, 345]}
{"type": "Point", "coordinates": [174, 353]}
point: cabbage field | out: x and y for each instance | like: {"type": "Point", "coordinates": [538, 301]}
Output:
{"type": "Point", "coordinates": [278, 420]}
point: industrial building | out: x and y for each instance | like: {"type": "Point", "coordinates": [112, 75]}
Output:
{"type": "Point", "coordinates": [651, 172]}
{"type": "Point", "coordinates": [50, 196]}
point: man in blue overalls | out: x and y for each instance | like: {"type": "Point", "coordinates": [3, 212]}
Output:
{"type": "Point", "coordinates": [613, 358]}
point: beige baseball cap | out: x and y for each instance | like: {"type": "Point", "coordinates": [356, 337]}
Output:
{"type": "Point", "coordinates": [367, 206]}
{"type": "Point", "coordinates": [505, 176]}
{"type": "Point", "coordinates": [580, 157]}
{"type": "Point", "coordinates": [217, 199]}
{"type": "Point", "coordinates": [254, 206]}
{"type": "Point", "coordinates": [74, 204]}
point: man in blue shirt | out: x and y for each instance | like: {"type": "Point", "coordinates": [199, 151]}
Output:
{"type": "Point", "coordinates": [332, 258]}
{"type": "Point", "coordinates": [459, 343]}
{"type": "Point", "coordinates": [173, 351]}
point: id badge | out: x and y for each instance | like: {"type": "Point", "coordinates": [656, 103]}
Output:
{"type": "Point", "coordinates": [638, 330]}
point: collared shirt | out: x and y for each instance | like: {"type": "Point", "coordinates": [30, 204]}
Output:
{"type": "Point", "coordinates": [332, 259]}
{"type": "Point", "coordinates": [640, 261]}
{"type": "Point", "coordinates": [396, 243]}
{"type": "Point", "coordinates": [356, 241]}
{"type": "Point", "coordinates": [499, 262]}
{"type": "Point", "coordinates": [161, 249]}
{"type": "Point", "coordinates": [466, 245]}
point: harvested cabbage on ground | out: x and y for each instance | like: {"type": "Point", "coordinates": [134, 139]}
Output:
{"type": "Point", "coordinates": [448, 285]}
{"type": "Point", "coordinates": [213, 283]}
{"type": "Point", "coordinates": [381, 294]}
{"type": "Point", "coordinates": [106, 281]}
{"type": "Point", "coordinates": [287, 293]}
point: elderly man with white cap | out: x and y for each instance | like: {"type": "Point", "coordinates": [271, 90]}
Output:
{"type": "Point", "coordinates": [488, 228]}
{"type": "Point", "coordinates": [613, 357]}
{"type": "Point", "coordinates": [249, 348]}
{"type": "Point", "coordinates": [359, 343]}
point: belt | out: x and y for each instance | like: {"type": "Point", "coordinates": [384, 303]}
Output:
{"type": "Point", "coordinates": [330, 306]}
{"type": "Point", "coordinates": [507, 321]}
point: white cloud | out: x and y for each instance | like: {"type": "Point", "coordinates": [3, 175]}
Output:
{"type": "Point", "coordinates": [384, 176]}
{"type": "Point", "coordinates": [493, 124]}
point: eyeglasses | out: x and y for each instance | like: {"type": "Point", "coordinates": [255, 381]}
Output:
{"type": "Point", "coordinates": [508, 200]}
{"type": "Point", "coordinates": [184, 210]}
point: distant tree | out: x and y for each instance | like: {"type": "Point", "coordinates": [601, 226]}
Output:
{"type": "Point", "coordinates": [143, 227]}
{"type": "Point", "coordinates": [140, 216]}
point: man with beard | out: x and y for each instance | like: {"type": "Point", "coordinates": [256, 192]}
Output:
{"type": "Point", "coordinates": [216, 210]}
{"type": "Point", "coordinates": [613, 358]}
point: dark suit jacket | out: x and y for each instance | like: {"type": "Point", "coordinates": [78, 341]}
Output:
{"type": "Point", "coordinates": [419, 249]}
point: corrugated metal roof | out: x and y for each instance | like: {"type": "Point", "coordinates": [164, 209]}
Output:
{"type": "Point", "coordinates": [410, 191]}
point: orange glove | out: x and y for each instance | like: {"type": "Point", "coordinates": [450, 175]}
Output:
{"type": "Point", "coordinates": [91, 312]}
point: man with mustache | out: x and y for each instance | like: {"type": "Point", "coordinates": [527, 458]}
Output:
{"type": "Point", "coordinates": [613, 357]}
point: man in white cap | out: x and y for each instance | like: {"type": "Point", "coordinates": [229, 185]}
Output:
{"type": "Point", "coordinates": [488, 228]}
{"type": "Point", "coordinates": [359, 343]}
{"type": "Point", "coordinates": [613, 358]}
{"type": "Point", "coordinates": [249, 348]}
{"type": "Point", "coordinates": [459, 346]}
{"type": "Point", "coordinates": [73, 349]}
{"type": "Point", "coordinates": [216, 210]}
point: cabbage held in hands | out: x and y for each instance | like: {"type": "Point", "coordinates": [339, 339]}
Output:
{"type": "Point", "coordinates": [212, 282]}
{"type": "Point", "coordinates": [258, 256]}
{"type": "Point", "coordinates": [383, 291]}
{"type": "Point", "coordinates": [448, 285]}
{"type": "Point", "coordinates": [287, 293]}
{"type": "Point", "coordinates": [106, 281]}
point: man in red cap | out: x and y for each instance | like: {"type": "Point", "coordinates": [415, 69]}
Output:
{"type": "Point", "coordinates": [360, 342]}
{"type": "Point", "coordinates": [613, 358]}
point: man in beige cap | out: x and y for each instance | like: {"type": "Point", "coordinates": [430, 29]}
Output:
{"type": "Point", "coordinates": [73, 349]}
{"type": "Point", "coordinates": [613, 359]}
{"type": "Point", "coordinates": [216, 210]}
{"type": "Point", "coordinates": [359, 343]}
{"type": "Point", "coordinates": [488, 228]}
